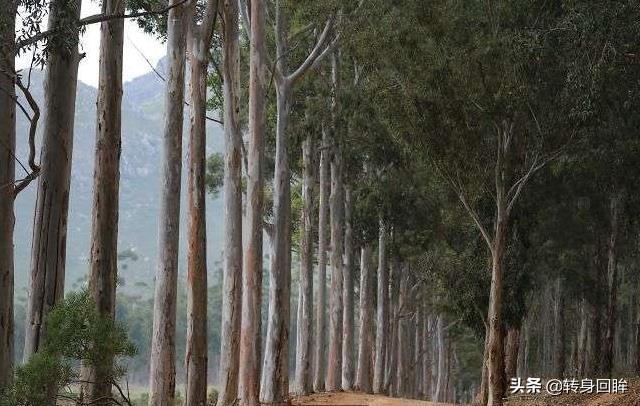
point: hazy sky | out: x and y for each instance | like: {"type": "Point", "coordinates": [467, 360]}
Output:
{"type": "Point", "coordinates": [133, 64]}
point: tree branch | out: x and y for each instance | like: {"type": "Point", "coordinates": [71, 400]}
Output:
{"type": "Point", "coordinates": [317, 53]}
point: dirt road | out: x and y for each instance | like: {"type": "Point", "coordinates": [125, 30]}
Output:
{"type": "Point", "coordinates": [358, 399]}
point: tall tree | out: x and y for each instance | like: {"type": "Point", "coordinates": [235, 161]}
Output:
{"type": "Point", "coordinates": [163, 345]}
{"type": "Point", "coordinates": [336, 203]}
{"type": "Point", "coordinates": [48, 251]}
{"type": "Point", "coordinates": [7, 179]}
{"type": "Point", "coordinates": [232, 283]}
{"type": "Point", "coordinates": [106, 178]}
{"type": "Point", "coordinates": [382, 317]}
{"type": "Point", "coordinates": [305, 297]}
{"type": "Point", "coordinates": [323, 221]}
{"type": "Point", "coordinates": [199, 38]}
{"type": "Point", "coordinates": [348, 293]}
{"type": "Point", "coordinates": [251, 332]}
{"type": "Point", "coordinates": [275, 375]}
{"type": "Point", "coordinates": [365, 343]}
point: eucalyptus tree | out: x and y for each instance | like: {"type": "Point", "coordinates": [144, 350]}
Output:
{"type": "Point", "coordinates": [7, 189]}
{"type": "Point", "coordinates": [199, 42]}
{"type": "Point", "coordinates": [484, 121]}
{"type": "Point", "coordinates": [274, 384]}
{"type": "Point", "coordinates": [251, 331]}
{"type": "Point", "coordinates": [105, 211]}
{"type": "Point", "coordinates": [50, 219]}
{"type": "Point", "coordinates": [163, 350]}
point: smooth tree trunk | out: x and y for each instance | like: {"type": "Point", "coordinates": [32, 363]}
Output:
{"type": "Point", "coordinates": [348, 328]}
{"type": "Point", "coordinates": [275, 371]}
{"type": "Point", "coordinates": [582, 340]}
{"type": "Point", "coordinates": [198, 43]}
{"type": "Point", "coordinates": [48, 249]}
{"type": "Point", "coordinates": [323, 221]}
{"type": "Point", "coordinates": [440, 388]}
{"type": "Point", "coordinates": [365, 344]}
{"type": "Point", "coordinates": [303, 375]}
{"type": "Point", "coordinates": [512, 349]}
{"type": "Point", "coordinates": [7, 179]}
{"type": "Point", "coordinates": [390, 381]}
{"type": "Point", "coordinates": [103, 272]}
{"type": "Point", "coordinates": [382, 316]}
{"type": "Point", "coordinates": [403, 346]}
{"type": "Point", "coordinates": [612, 285]}
{"type": "Point", "coordinates": [251, 320]}
{"type": "Point", "coordinates": [495, 350]}
{"type": "Point", "coordinates": [334, 363]}
{"type": "Point", "coordinates": [232, 284]}
{"type": "Point", "coordinates": [162, 376]}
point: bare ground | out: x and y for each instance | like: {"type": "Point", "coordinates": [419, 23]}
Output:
{"type": "Point", "coordinates": [357, 399]}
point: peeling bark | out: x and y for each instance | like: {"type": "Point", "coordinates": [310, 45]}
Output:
{"type": "Point", "coordinates": [251, 321]}
{"type": "Point", "coordinates": [305, 302]}
{"type": "Point", "coordinates": [348, 295]}
{"type": "Point", "coordinates": [162, 377]}
{"type": "Point", "coordinates": [106, 184]}
{"type": "Point", "coordinates": [365, 344]}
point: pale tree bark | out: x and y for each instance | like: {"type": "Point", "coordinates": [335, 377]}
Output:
{"type": "Point", "coordinates": [305, 302]}
{"type": "Point", "coordinates": [323, 221]}
{"type": "Point", "coordinates": [559, 356]}
{"type": "Point", "coordinates": [511, 352]}
{"type": "Point", "coordinates": [612, 285]}
{"type": "Point", "coordinates": [382, 316]}
{"type": "Point", "coordinates": [366, 341]}
{"type": "Point", "coordinates": [251, 321]}
{"type": "Point", "coordinates": [334, 363]}
{"type": "Point", "coordinates": [403, 343]}
{"type": "Point", "coordinates": [48, 251]}
{"type": "Point", "coordinates": [103, 272]}
{"type": "Point", "coordinates": [637, 340]}
{"type": "Point", "coordinates": [7, 179]}
{"type": "Point", "coordinates": [275, 372]}
{"type": "Point", "coordinates": [348, 295]}
{"type": "Point", "coordinates": [162, 377]}
{"type": "Point", "coordinates": [199, 39]}
{"type": "Point", "coordinates": [232, 287]}
{"type": "Point", "coordinates": [439, 393]}
{"type": "Point", "coordinates": [390, 381]}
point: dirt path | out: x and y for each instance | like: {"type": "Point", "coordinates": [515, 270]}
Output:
{"type": "Point", "coordinates": [357, 399]}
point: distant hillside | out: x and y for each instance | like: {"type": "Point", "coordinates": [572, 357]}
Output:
{"type": "Point", "coordinates": [140, 166]}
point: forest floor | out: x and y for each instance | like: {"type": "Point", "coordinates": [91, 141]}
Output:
{"type": "Point", "coordinates": [357, 399]}
{"type": "Point", "coordinates": [631, 398]}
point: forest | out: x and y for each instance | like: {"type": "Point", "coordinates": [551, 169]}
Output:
{"type": "Point", "coordinates": [414, 203]}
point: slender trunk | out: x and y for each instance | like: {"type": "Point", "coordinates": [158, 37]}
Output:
{"type": "Point", "coordinates": [382, 311]}
{"type": "Point", "coordinates": [347, 298]}
{"type": "Point", "coordinates": [390, 382]}
{"type": "Point", "coordinates": [334, 364]}
{"type": "Point", "coordinates": [495, 364]}
{"type": "Point", "coordinates": [511, 353]}
{"type": "Point", "coordinates": [7, 178]}
{"type": "Point", "coordinates": [48, 252]}
{"type": "Point", "coordinates": [251, 320]}
{"type": "Point", "coordinates": [637, 340]}
{"type": "Point", "coordinates": [365, 344]}
{"type": "Point", "coordinates": [305, 302]}
{"type": "Point", "coordinates": [523, 358]}
{"type": "Point", "coordinates": [582, 340]}
{"type": "Point", "coordinates": [106, 179]}
{"type": "Point", "coordinates": [232, 285]}
{"type": "Point", "coordinates": [403, 346]}
{"type": "Point", "coordinates": [483, 393]}
{"type": "Point", "coordinates": [323, 217]}
{"type": "Point", "coordinates": [275, 371]}
{"type": "Point", "coordinates": [163, 346]}
{"type": "Point", "coordinates": [559, 338]}
{"type": "Point", "coordinates": [198, 42]}
{"type": "Point", "coordinates": [612, 284]}
{"type": "Point", "coordinates": [441, 378]}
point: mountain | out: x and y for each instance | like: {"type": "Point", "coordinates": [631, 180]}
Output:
{"type": "Point", "coordinates": [142, 122]}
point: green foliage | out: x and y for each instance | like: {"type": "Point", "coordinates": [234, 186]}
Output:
{"type": "Point", "coordinates": [214, 173]}
{"type": "Point", "coordinates": [75, 333]}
